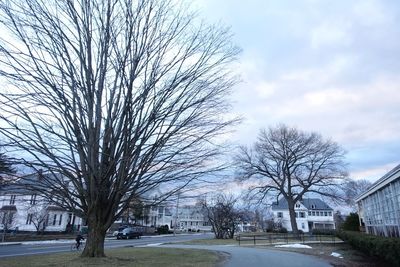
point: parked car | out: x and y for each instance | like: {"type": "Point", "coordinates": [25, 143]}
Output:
{"type": "Point", "coordinates": [130, 232]}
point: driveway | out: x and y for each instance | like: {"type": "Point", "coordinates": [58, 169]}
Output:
{"type": "Point", "coordinates": [257, 257]}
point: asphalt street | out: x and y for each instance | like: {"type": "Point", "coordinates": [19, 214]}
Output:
{"type": "Point", "coordinates": [45, 248]}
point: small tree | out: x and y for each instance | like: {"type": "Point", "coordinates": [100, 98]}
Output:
{"type": "Point", "coordinates": [352, 189]}
{"type": "Point", "coordinates": [288, 163]}
{"type": "Point", "coordinates": [351, 223]}
{"type": "Point", "coordinates": [37, 215]}
{"type": "Point", "coordinates": [223, 215]}
{"type": "Point", "coordinates": [5, 168]}
{"type": "Point", "coordinates": [8, 221]}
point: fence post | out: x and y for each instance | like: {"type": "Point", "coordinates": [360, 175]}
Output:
{"type": "Point", "coordinates": [254, 239]}
{"type": "Point", "coordinates": [239, 239]}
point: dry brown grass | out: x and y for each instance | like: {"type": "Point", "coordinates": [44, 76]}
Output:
{"type": "Point", "coordinates": [138, 257]}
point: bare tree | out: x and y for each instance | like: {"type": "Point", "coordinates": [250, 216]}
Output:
{"type": "Point", "coordinates": [6, 169]}
{"type": "Point", "coordinates": [38, 216]}
{"type": "Point", "coordinates": [223, 215]}
{"type": "Point", "coordinates": [352, 189]}
{"type": "Point", "coordinates": [8, 221]}
{"type": "Point", "coordinates": [288, 163]}
{"type": "Point", "coordinates": [113, 98]}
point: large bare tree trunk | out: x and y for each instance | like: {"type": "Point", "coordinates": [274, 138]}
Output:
{"type": "Point", "coordinates": [292, 215]}
{"type": "Point", "coordinates": [98, 223]}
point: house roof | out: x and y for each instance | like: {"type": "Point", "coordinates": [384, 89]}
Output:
{"type": "Point", "coordinates": [389, 177]}
{"type": "Point", "coordinates": [25, 185]}
{"type": "Point", "coordinates": [309, 203]}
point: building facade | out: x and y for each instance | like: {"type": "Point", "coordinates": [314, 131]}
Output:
{"type": "Point", "coordinates": [379, 206]}
{"type": "Point", "coordinates": [311, 213]}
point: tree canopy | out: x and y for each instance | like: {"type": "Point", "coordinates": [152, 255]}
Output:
{"type": "Point", "coordinates": [113, 98]}
{"type": "Point", "coordinates": [289, 163]}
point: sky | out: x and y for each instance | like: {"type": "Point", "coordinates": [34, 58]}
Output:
{"type": "Point", "coordinates": [327, 66]}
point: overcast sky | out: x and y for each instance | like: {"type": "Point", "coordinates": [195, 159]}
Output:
{"type": "Point", "coordinates": [327, 66]}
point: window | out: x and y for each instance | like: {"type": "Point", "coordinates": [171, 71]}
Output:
{"type": "Point", "coordinates": [60, 220]}
{"type": "Point", "coordinates": [54, 219]}
{"type": "Point", "coordinates": [33, 199]}
{"type": "Point", "coordinates": [312, 206]}
{"type": "Point", "coordinates": [317, 213]}
{"type": "Point", "coordinates": [309, 213]}
{"type": "Point", "coordinates": [325, 213]}
{"type": "Point", "coordinates": [313, 213]}
{"type": "Point", "coordinates": [303, 226]}
{"type": "Point", "coordinates": [7, 217]}
{"type": "Point", "coordinates": [296, 214]}
{"type": "Point", "coordinates": [297, 205]}
{"type": "Point", "coordinates": [330, 213]}
{"type": "Point", "coordinates": [280, 214]}
{"type": "Point", "coordinates": [12, 199]}
{"type": "Point", "coordinates": [29, 218]}
{"type": "Point", "coordinates": [302, 215]}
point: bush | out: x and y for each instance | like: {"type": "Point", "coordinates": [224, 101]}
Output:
{"type": "Point", "coordinates": [323, 232]}
{"type": "Point", "coordinates": [352, 223]}
{"type": "Point", "coordinates": [386, 248]}
{"type": "Point", "coordinates": [281, 230]}
{"type": "Point", "coordinates": [162, 230]}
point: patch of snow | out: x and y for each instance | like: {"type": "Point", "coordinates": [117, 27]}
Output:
{"type": "Point", "coordinates": [293, 246]}
{"type": "Point", "coordinates": [59, 241]}
{"type": "Point", "coordinates": [152, 245]}
{"type": "Point", "coordinates": [337, 255]}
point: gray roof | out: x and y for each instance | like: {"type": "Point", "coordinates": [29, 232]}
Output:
{"type": "Point", "coordinates": [309, 203]}
{"type": "Point", "coordinates": [25, 185]}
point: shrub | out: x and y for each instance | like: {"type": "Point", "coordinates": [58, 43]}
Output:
{"type": "Point", "coordinates": [281, 230]}
{"type": "Point", "coordinates": [352, 223]}
{"type": "Point", "coordinates": [162, 230]}
{"type": "Point", "coordinates": [323, 232]}
{"type": "Point", "coordinates": [386, 248]}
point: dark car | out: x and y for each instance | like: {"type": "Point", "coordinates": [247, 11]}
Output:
{"type": "Point", "coordinates": [130, 232]}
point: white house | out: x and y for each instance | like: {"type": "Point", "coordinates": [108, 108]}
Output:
{"type": "Point", "coordinates": [311, 213]}
{"type": "Point", "coordinates": [191, 217]}
{"type": "Point", "coordinates": [24, 210]}
{"type": "Point", "coordinates": [379, 206]}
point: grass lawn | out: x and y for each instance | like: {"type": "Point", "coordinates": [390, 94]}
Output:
{"type": "Point", "coordinates": [138, 257]}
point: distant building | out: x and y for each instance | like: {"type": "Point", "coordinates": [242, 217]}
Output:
{"type": "Point", "coordinates": [311, 213]}
{"type": "Point", "coordinates": [191, 217]}
{"type": "Point", "coordinates": [379, 206]}
{"type": "Point", "coordinates": [24, 210]}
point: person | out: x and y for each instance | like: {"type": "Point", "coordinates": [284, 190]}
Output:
{"type": "Point", "coordinates": [78, 239]}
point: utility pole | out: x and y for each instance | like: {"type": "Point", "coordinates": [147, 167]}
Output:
{"type": "Point", "coordinates": [176, 214]}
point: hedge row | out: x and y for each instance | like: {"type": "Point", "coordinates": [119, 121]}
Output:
{"type": "Point", "coordinates": [383, 247]}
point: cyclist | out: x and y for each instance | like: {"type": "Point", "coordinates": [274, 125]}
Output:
{"type": "Point", "coordinates": [78, 239]}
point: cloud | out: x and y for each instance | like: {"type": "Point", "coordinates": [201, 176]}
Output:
{"type": "Point", "coordinates": [326, 66]}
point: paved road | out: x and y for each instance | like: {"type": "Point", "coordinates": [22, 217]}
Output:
{"type": "Point", "coordinates": [258, 257]}
{"type": "Point", "coordinates": [40, 248]}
